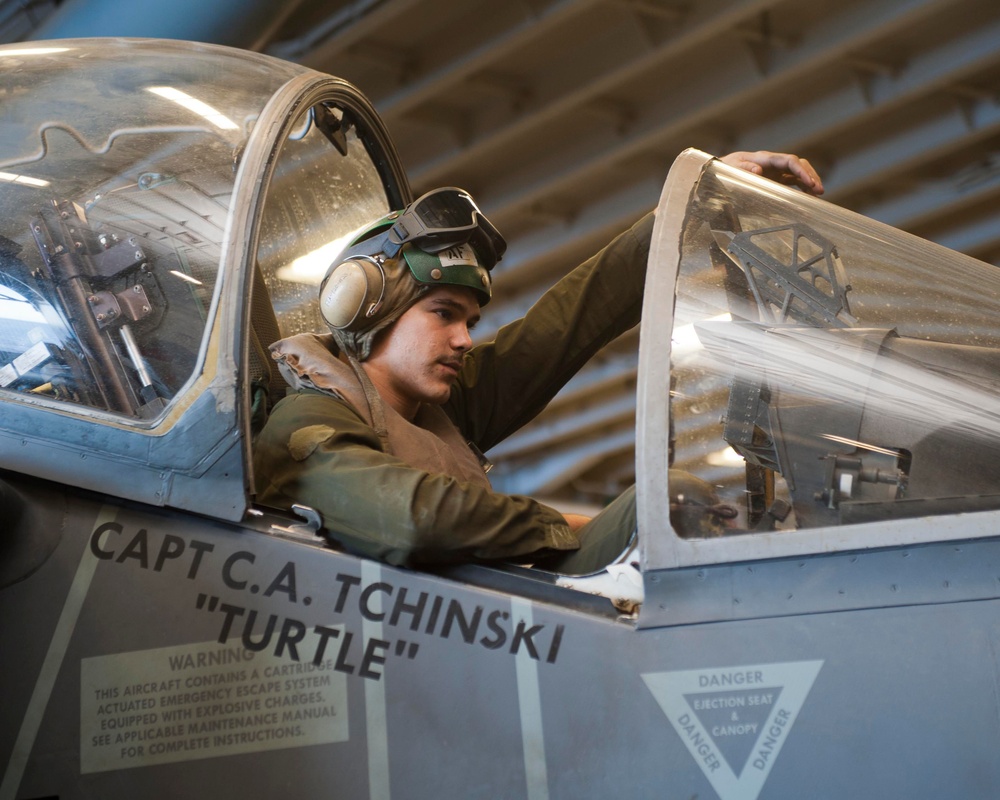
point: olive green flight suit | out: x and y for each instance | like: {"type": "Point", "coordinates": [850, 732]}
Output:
{"type": "Point", "coordinates": [428, 501]}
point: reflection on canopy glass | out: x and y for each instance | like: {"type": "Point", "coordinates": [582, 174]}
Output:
{"type": "Point", "coordinates": [118, 163]}
{"type": "Point", "coordinates": [826, 370]}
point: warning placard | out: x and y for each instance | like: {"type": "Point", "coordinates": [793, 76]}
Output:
{"type": "Point", "coordinates": [734, 720]}
{"type": "Point", "coordinates": [202, 701]}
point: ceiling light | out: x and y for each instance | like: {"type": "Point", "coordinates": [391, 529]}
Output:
{"type": "Point", "coordinates": [10, 177]}
{"type": "Point", "coordinates": [200, 108]}
{"type": "Point", "coordinates": [725, 458]}
{"type": "Point", "coordinates": [311, 268]}
{"type": "Point", "coordinates": [184, 277]}
{"type": "Point", "coordinates": [32, 51]}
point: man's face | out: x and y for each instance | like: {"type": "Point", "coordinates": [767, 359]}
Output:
{"type": "Point", "coordinates": [419, 357]}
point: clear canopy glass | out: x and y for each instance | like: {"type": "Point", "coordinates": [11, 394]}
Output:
{"type": "Point", "coordinates": [117, 165]}
{"type": "Point", "coordinates": [825, 369]}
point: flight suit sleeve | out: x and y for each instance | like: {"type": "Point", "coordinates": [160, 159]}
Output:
{"type": "Point", "coordinates": [316, 450]}
{"type": "Point", "coordinates": [506, 383]}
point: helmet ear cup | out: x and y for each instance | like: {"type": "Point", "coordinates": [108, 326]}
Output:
{"type": "Point", "coordinates": [352, 293]}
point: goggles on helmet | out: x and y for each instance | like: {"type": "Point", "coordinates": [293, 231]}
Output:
{"type": "Point", "coordinates": [445, 218]}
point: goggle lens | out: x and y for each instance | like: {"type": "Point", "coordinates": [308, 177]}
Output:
{"type": "Point", "coordinates": [446, 210]}
{"type": "Point", "coordinates": [444, 218]}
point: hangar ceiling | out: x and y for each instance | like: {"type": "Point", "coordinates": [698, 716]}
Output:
{"type": "Point", "coordinates": [562, 117]}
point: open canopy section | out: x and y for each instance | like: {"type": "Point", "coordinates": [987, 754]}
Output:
{"type": "Point", "coordinates": [825, 371]}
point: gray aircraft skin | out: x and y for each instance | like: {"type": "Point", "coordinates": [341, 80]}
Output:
{"type": "Point", "coordinates": [812, 610]}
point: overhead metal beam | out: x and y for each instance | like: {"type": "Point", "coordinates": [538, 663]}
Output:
{"type": "Point", "coordinates": [808, 125]}
{"type": "Point", "coordinates": [982, 234]}
{"type": "Point", "coordinates": [342, 30]}
{"type": "Point", "coordinates": [567, 426]}
{"type": "Point", "coordinates": [708, 99]}
{"type": "Point", "coordinates": [447, 78]}
{"type": "Point", "coordinates": [893, 157]}
{"type": "Point", "coordinates": [532, 260]}
{"type": "Point", "coordinates": [707, 20]}
{"type": "Point", "coordinates": [561, 467]}
{"type": "Point", "coordinates": [934, 200]}
{"type": "Point", "coordinates": [238, 23]}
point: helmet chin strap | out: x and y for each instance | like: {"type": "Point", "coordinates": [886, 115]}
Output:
{"type": "Point", "coordinates": [376, 408]}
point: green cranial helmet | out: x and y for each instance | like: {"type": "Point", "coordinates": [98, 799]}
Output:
{"type": "Point", "coordinates": [456, 266]}
{"type": "Point", "coordinates": [442, 239]}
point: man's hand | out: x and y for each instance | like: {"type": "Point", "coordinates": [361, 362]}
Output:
{"type": "Point", "coordinates": [781, 167]}
{"type": "Point", "coordinates": [576, 521]}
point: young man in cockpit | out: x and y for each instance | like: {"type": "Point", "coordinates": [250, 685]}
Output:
{"type": "Point", "coordinates": [393, 409]}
